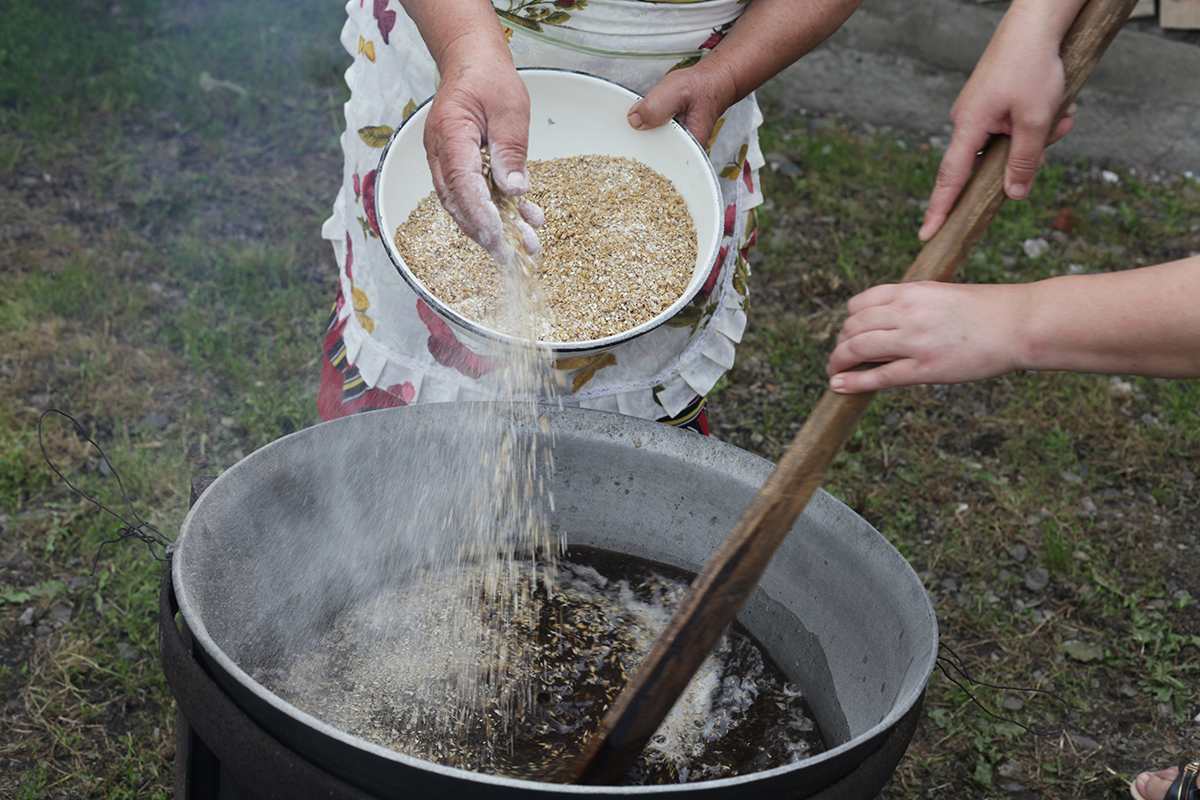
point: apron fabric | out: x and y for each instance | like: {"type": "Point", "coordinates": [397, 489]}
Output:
{"type": "Point", "coordinates": [385, 348]}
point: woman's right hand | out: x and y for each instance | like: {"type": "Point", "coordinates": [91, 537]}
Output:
{"type": "Point", "coordinates": [481, 100]}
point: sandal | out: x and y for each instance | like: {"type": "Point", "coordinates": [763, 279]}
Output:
{"type": "Point", "coordinates": [1182, 788]}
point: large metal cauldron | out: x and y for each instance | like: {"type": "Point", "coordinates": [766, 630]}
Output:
{"type": "Point", "coordinates": [268, 543]}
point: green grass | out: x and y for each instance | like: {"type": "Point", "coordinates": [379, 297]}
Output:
{"type": "Point", "coordinates": [191, 278]}
{"type": "Point", "coordinates": [73, 75]}
{"type": "Point", "coordinates": [61, 62]}
{"type": "Point", "coordinates": [184, 274]}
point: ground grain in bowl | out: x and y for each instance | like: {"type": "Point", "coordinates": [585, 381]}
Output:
{"type": "Point", "coordinates": [618, 248]}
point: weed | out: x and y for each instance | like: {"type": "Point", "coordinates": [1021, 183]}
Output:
{"type": "Point", "coordinates": [1056, 550]}
{"type": "Point", "coordinates": [22, 475]}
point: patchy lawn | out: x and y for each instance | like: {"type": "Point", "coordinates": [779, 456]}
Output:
{"type": "Point", "coordinates": [162, 279]}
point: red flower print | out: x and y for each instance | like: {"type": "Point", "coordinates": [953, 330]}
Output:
{"type": "Point", "coordinates": [349, 256]}
{"type": "Point", "coordinates": [707, 289]}
{"type": "Point", "coordinates": [448, 351]}
{"type": "Point", "coordinates": [368, 197]}
{"type": "Point", "coordinates": [386, 19]}
{"type": "Point", "coordinates": [404, 391]}
{"type": "Point", "coordinates": [566, 3]}
{"type": "Point", "coordinates": [730, 218]}
{"type": "Point", "coordinates": [712, 41]}
{"type": "Point", "coordinates": [357, 187]}
{"type": "Point", "coordinates": [747, 177]}
{"type": "Point", "coordinates": [753, 240]}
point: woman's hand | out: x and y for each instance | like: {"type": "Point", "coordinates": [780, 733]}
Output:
{"type": "Point", "coordinates": [469, 110]}
{"type": "Point", "coordinates": [926, 332]}
{"type": "Point", "coordinates": [694, 97]}
{"type": "Point", "coordinates": [1016, 89]}
{"type": "Point", "coordinates": [481, 100]}
{"type": "Point", "coordinates": [766, 38]}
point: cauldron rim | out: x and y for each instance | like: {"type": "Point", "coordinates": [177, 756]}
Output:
{"type": "Point", "coordinates": [229, 670]}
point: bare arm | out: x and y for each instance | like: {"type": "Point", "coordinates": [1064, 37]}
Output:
{"type": "Point", "coordinates": [1015, 89]}
{"type": "Point", "coordinates": [769, 36]}
{"type": "Point", "coordinates": [1137, 322]}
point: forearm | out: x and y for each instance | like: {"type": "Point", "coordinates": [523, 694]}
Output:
{"type": "Point", "coordinates": [772, 34]}
{"type": "Point", "coordinates": [1049, 17]}
{"type": "Point", "coordinates": [1135, 322]}
{"type": "Point", "coordinates": [456, 29]}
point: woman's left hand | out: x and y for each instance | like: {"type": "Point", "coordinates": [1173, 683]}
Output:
{"type": "Point", "coordinates": [768, 36]}
{"type": "Point", "coordinates": [694, 97]}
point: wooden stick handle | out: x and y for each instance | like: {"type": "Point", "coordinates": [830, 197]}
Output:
{"type": "Point", "coordinates": [721, 588]}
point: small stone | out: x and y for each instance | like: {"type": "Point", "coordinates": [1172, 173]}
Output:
{"type": "Point", "coordinates": [28, 617]}
{"type": "Point", "coordinates": [1011, 703]}
{"type": "Point", "coordinates": [105, 468]}
{"type": "Point", "coordinates": [155, 421]}
{"type": "Point", "coordinates": [1037, 579]}
{"type": "Point", "coordinates": [1085, 742]}
{"type": "Point", "coordinates": [1035, 248]}
{"type": "Point", "coordinates": [1013, 788]}
{"type": "Point", "coordinates": [77, 583]}
{"type": "Point", "coordinates": [62, 613]}
{"type": "Point", "coordinates": [1120, 388]}
{"type": "Point", "coordinates": [784, 166]}
{"type": "Point", "coordinates": [1083, 651]}
{"type": "Point", "coordinates": [1019, 552]}
{"type": "Point", "coordinates": [1125, 690]}
{"type": "Point", "coordinates": [127, 651]}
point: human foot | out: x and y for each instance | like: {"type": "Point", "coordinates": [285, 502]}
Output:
{"type": "Point", "coordinates": [1168, 784]}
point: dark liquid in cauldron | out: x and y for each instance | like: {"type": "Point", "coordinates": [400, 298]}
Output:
{"type": "Point", "coordinates": [576, 649]}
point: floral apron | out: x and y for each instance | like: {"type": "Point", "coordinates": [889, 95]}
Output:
{"type": "Point", "coordinates": [385, 348]}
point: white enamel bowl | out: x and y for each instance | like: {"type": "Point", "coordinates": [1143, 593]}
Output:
{"type": "Point", "coordinates": [571, 113]}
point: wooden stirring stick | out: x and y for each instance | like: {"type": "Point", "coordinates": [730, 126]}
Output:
{"type": "Point", "coordinates": [731, 574]}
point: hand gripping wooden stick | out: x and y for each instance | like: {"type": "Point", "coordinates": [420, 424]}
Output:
{"type": "Point", "coordinates": [733, 571]}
